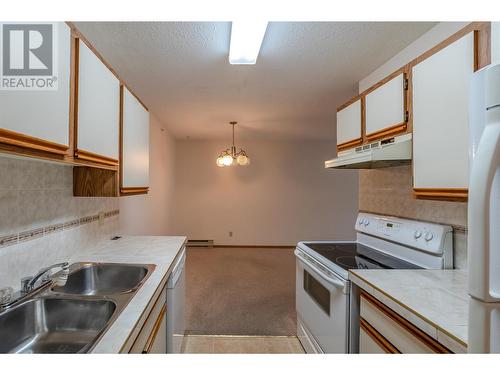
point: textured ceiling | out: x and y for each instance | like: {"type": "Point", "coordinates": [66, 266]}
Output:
{"type": "Point", "coordinates": [304, 71]}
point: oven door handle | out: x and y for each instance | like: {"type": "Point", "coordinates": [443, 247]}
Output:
{"type": "Point", "coordinates": [336, 282]}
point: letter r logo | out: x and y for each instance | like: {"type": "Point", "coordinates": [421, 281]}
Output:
{"type": "Point", "coordinates": [27, 50]}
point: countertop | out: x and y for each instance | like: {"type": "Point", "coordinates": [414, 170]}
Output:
{"type": "Point", "coordinates": [436, 301]}
{"type": "Point", "coordinates": [158, 250]}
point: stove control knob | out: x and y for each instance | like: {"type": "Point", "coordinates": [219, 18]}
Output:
{"type": "Point", "coordinates": [361, 221]}
{"type": "Point", "coordinates": [417, 234]}
{"type": "Point", "coordinates": [429, 236]}
{"type": "Point", "coordinates": [366, 222]}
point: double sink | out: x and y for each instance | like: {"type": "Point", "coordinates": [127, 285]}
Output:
{"type": "Point", "coordinates": [71, 318]}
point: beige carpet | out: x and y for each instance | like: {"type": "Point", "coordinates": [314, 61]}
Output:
{"type": "Point", "coordinates": [241, 345]}
{"type": "Point", "coordinates": [240, 291]}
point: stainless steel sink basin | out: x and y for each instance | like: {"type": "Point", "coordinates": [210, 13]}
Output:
{"type": "Point", "coordinates": [54, 325]}
{"type": "Point", "coordinates": [103, 279]}
{"type": "Point", "coordinates": [71, 318]}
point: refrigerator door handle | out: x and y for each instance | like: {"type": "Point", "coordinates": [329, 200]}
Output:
{"type": "Point", "coordinates": [483, 253]}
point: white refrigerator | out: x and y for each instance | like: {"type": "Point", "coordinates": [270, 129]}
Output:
{"type": "Point", "coordinates": [484, 213]}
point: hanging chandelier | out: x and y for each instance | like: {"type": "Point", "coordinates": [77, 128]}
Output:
{"type": "Point", "coordinates": [230, 156]}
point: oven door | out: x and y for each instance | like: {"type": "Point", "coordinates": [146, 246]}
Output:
{"type": "Point", "coordinates": [322, 302]}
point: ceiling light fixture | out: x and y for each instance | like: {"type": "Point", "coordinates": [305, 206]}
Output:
{"type": "Point", "coordinates": [230, 156]}
{"type": "Point", "coordinates": [246, 39]}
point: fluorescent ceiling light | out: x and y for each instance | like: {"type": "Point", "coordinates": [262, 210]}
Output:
{"type": "Point", "coordinates": [246, 38]}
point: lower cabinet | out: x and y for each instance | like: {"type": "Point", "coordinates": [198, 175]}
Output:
{"type": "Point", "coordinates": [384, 331]}
{"type": "Point", "coordinates": [152, 338]}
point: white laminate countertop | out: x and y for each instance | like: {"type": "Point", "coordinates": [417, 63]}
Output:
{"type": "Point", "coordinates": [436, 301]}
{"type": "Point", "coordinates": [158, 250]}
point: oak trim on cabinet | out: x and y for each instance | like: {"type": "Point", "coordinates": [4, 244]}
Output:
{"type": "Point", "coordinates": [396, 128]}
{"type": "Point", "coordinates": [403, 70]}
{"type": "Point", "coordinates": [377, 337]}
{"type": "Point", "coordinates": [96, 158]}
{"type": "Point", "coordinates": [134, 190]}
{"type": "Point", "coordinates": [156, 328]}
{"type": "Point", "coordinates": [349, 102]}
{"type": "Point", "coordinates": [391, 130]}
{"type": "Point", "coordinates": [455, 195]}
{"type": "Point", "coordinates": [349, 144]}
{"type": "Point", "coordinates": [482, 43]}
{"type": "Point", "coordinates": [80, 36]}
{"type": "Point", "coordinates": [403, 323]}
{"type": "Point", "coordinates": [482, 51]}
{"type": "Point", "coordinates": [21, 140]}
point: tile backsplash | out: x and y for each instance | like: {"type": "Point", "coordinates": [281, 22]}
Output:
{"type": "Point", "coordinates": [388, 191]}
{"type": "Point", "coordinates": [41, 222]}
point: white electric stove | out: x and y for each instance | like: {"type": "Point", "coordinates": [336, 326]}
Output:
{"type": "Point", "coordinates": [327, 305]}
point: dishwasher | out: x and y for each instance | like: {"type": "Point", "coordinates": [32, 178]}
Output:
{"type": "Point", "coordinates": [176, 298]}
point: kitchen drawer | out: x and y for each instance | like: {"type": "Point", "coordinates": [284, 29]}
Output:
{"type": "Point", "coordinates": [372, 342]}
{"type": "Point", "coordinates": [401, 334]}
{"type": "Point", "coordinates": [153, 335]}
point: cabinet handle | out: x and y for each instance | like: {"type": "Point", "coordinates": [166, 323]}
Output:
{"type": "Point", "coordinates": [156, 328]}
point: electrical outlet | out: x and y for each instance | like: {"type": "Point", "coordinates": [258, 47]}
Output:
{"type": "Point", "coordinates": [230, 234]}
{"type": "Point", "coordinates": [101, 217]}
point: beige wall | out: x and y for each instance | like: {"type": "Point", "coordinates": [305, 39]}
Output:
{"type": "Point", "coordinates": [152, 214]}
{"type": "Point", "coordinates": [389, 191]}
{"type": "Point", "coordinates": [284, 196]}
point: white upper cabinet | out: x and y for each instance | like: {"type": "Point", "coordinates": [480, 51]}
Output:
{"type": "Point", "coordinates": [385, 107]}
{"type": "Point", "coordinates": [98, 107]}
{"type": "Point", "coordinates": [440, 117]}
{"type": "Point", "coordinates": [39, 118]}
{"type": "Point", "coordinates": [135, 138]}
{"type": "Point", "coordinates": [495, 42]}
{"type": "Point", "coordinates": [349, 123]}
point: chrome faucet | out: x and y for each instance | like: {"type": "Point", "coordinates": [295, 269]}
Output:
{"type": "Point", "coordinates": [28, 283]}
{"type": "Point", "coordinates": [9, 298]}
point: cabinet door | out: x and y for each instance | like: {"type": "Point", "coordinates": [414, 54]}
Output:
{"type": "Point", "coordinates": [386, 109]}
{"type": "Point", "coordinates": [158, 339]}
{"type": "Point", "coordinates": [349, 126]}
{"type": "Point", "coordinates": [441, 121]}
{"type": "Point", "coordinates": [152, 337]}
{"type": "Point", "coordinates": [135, 145]}
{"type": "Point", "coordinates": [39, 119]}
{"type": "Point", "coordinates": [98, 109]}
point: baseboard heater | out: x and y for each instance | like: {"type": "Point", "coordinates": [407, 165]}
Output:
{"type": "Point", "coordinates": [200, 243]}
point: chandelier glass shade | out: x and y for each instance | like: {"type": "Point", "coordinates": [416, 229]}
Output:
{"type": "Point", "coordinates": [232, 156]}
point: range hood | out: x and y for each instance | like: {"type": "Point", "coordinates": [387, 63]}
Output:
{"type": "Point", "coordinates": [380, 154]}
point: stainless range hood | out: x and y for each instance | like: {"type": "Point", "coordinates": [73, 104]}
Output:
{"type": "Point", "coordinates": [380, 154]}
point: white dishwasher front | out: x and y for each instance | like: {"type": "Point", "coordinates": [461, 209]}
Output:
{"type": "Point", "coordinates": [176, 299]}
